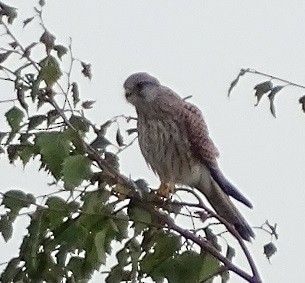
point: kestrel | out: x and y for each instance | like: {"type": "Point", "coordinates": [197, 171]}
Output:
{"type": "Point", "coordinates": [175, 142]}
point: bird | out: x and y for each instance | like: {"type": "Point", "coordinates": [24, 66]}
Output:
{"type": "Point", "coordinates": [175, 142]}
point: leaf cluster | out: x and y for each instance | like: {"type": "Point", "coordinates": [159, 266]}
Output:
{"type": "Point", "coordinates": [267, 88]}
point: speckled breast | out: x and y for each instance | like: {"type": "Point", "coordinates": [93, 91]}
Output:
{"type": "Point", "coordinates": [166, 149]}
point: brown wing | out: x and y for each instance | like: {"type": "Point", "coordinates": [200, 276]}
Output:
{"type": "Point", "coordinates": [190, 119]}
{"type": "Point", "coordinates": [198, 134]}
{"type": "Point", "coordinates": [190, 116]}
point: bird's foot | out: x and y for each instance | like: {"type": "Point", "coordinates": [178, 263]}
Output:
{"type": "Point", "coordinates": [166, 189]}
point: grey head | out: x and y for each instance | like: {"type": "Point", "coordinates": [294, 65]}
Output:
{"type": "Point", "coordinates": [139, 88]}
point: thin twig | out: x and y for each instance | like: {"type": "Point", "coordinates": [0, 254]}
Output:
{"type": "Point", "coordinates": [252, 71]}
{"type": "Point", "coordinates": [34, 64]}
{"type": "Point", "coordinates": [232, 230]}
{"type": "Point", "coordinates": [205, 245]}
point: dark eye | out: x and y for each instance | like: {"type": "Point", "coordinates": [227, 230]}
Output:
{"type": "Point", "coordinates": [140, 85]}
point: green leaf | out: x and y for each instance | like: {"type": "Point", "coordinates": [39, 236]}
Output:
{"type": "Point", "coordinates": [61, 256]}
{"type": "Point", "coordinates": [273, 229]}
{"type": "Point", "coordinates": [75, 265]}
{"type": "Point", "coordinates": [115, 275]}
{"type": "Point", "coordinates": [261, 89]}
{"type": "Point", "coordinates": [208, 266]}
{"type": "Point", "coordinates": [28, 50]}
{"type": "Point", "coordinates": [122, 256]}
{"type": "Point", "coordinates": [119, 138]}
{"type": "Point", "coordinates": [141, 218]}
{"type": "Point", "coordinates": [48, 40]}
{"type": "Point", "coordinates": [77, 140]}
{"type": "Point", "coordinates": [12, 152]}
{"type": "Point", "coordinates": [75, 93]}
{"type": "Point", "coordinates": [8, 11]}
{"type": "Point", "coordinates": [166, 244]}
{"type": "Point", "coordinates": [52, 115]}
{"type": "Point", "coordinates": [50, 71]}
{"type": "Point", "coordinates": [302, 102]}
{"type": "Point", "coordinates": [10, 137]}
{"type": "Point", "coordinates": [35, 121]}
{"type": "Point", "coordinates": [94, 202]}
{"type": "Point", "coordinates": [56, 203]}
{"type": "Point", "coordinates": [14, 117]}
{"type": "Point", "coordinates": [31, 198]}
{"type": "Point", "coordinates": [4, 56]}
{"type": "Point", "coordinates": [6, 228]}
{"type": "Point", "coordinates": [16, 199]}
{"type": "Point", "coordinates": [35, 91]}
{"type": "Point", "coordinates": [211, 237]}
{"type": "Point", "coordinates": [79, 123]}
{"type": "Point", "coordinates": [99, 242]}
{"type": "Point", "coordinates": [61, 50]}
{"type": "Point", "coordinates": [186, 267]}
{"type": "Point", "coordinates": [235, 81]}
{"type": "Point", "coordinates": [135, 253]}
{"type": "Point", "coordinates": [26, 153]}
{"type": "Point", "coordinates": [75, 170]}
{"type": "Point", "coordinates": [23, 138]}
{"type": "Point", "coordinates": [59, 209]}
{"type": "Point", "coordinates": [2, 135]}
{"type": "Point", "coordinates": [31, 244]}
{"type": "Point", "coordinates": [104, 127]}
{"type": "Point", "coordinates": [87, 72]}
{"type": "Point", "coordinates": [73, 206]}
{"type": "Point", "coordinates": [27, 21]}
{"type": "Point", "coordinates": [12, 16]}
{"type": "Point", "coordinates": [88, 104]}
{"type": "Point", "coordinates": [10, 271]}
{"type": "Point", "coordinates": [13, 44]}
{"type": "Point", "coordinates": [21, 98]}
{"type": "Point", "coordinates": [230, 253]}
{"type": "Point", "coordinates": [100, 143]}
{"type": "Point", "coordinates": [56, 212]}
{"type": "Point", "coordinates": [73, 237]}
{"type": "Point", "coordinates": [112, 159]}
{"type": "Point", "coordinates": [269, 250]}
{"type": "Point", "coordinates": [271, 97]}
{"type": "Point", "coordinates": [53, 147]}
{"type": "Point", "coordinates": [122, 223]}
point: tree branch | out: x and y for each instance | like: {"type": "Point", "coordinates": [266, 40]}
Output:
{"type": "Point", "coordinates": [252, 71]}
{"type": "Point", "coordinates": [129, 184]}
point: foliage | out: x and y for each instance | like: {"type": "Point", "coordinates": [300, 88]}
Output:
{"type": "Point", "coordinates": [267, 87]}
{"type": "Point", "coordinates": [72, 231]}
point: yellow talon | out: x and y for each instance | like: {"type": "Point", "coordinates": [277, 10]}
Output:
{"type": "Point", "coordinates": [166, 189]}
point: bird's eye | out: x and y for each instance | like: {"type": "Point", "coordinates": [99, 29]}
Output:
{"type": "Point", "coordinates": [140, 84]}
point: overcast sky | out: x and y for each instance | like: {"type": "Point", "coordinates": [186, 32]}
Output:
{"type": "Point", "coordinates": [197, 48]}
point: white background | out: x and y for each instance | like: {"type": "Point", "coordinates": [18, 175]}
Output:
{"type": "Point", "coordinates": [197, 48]}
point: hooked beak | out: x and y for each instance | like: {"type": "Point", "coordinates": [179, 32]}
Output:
{"type": "Point", "coordinates": [127, 93]}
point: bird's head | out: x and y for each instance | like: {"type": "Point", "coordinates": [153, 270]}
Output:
{"type": "Point", "coordinates": [139, 88]}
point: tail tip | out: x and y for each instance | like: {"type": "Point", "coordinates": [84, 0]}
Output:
{"type": "Point", "coordinates": [245, 232]}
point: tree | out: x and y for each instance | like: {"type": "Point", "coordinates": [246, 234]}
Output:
{"type": "Point", "coordinates": [93, 205]}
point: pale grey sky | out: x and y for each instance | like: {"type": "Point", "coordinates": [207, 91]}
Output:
{"type": "Point", "coordinates": [197, 48]}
